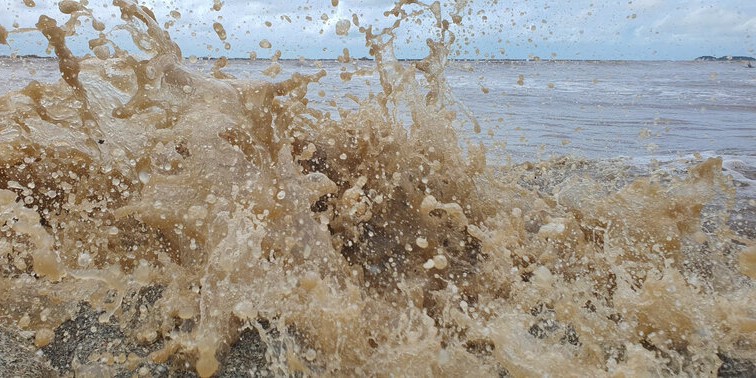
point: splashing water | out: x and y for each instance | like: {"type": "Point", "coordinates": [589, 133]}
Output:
{"type": "Point", "coordinates": [371, 244]}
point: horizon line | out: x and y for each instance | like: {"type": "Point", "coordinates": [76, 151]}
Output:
{"type": "Point", "coordinates": [704, 58]}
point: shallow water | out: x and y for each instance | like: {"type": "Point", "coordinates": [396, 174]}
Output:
{"type": "Point", "coordinates": [379, 228]}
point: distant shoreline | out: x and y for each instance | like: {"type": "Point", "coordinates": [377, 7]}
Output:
{"type": "Point", "coordinates": [726, 58]}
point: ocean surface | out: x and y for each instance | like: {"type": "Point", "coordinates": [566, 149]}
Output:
{"type": "Point", "coordinates": [591, 109]}
{"type": "Point", "coordinates": [641, 112]}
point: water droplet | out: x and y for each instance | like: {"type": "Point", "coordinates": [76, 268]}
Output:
{"type": "Point", "coordinates": [429, 264]}
{"type": "Point", "coordinates": [440, 262]}
{"type": "Point", "coordinates": [422, 242]}
{"type": "Point", "coordinates": [144, 177]}
{"type": "Point", "coordinates": [84, 259]}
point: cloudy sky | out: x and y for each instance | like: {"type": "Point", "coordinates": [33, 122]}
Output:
{"type": "Point", "coordinates": [565, 29]}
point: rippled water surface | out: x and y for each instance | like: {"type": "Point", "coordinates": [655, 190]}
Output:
{"type": "Point", "coordinates": [593, 109]}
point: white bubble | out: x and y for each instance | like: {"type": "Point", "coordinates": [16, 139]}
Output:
{"type": "Point", "coordinates": [421, 242]}
{"type": "Point", "coordinates": [440, 262]}
{"type": "Point", "coordinates": [430, 264]}
{"type": "Point", "coordinates": [84, 259]}
{"type": "Point", "coordinates": [144, 177]}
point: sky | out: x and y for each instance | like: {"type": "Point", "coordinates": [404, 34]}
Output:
{"type": "Point", "coordinates": [564, 29]}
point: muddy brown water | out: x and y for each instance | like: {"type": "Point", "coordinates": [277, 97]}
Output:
{"type": "Point", "coordinates": [176, 215]}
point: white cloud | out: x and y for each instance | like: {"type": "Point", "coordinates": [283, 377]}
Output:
{"type": "Point", "coordinates": [708, 22]}
{"type": "Point", "coordinates": [536, 26]}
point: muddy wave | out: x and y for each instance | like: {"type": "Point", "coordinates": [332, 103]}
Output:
{"type": "Point", "coordinates": [370, 244]}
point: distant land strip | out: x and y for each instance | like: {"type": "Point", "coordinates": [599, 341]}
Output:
{"type": "Point", "coordinates": [726, 58]}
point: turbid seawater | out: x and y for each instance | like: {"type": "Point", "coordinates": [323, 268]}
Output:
{"type": "Point", "coordinates": [161, 214]}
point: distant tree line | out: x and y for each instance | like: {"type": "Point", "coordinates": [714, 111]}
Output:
{"type": "Point", "coordinates": [727, 58]}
